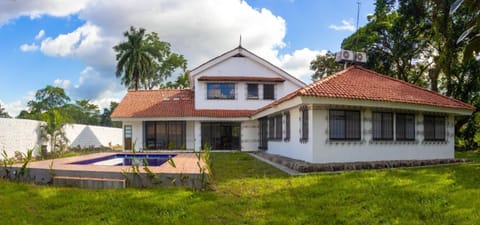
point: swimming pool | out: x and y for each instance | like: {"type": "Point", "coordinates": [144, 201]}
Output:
{"type": "Point", "coordinates": [127, 160]}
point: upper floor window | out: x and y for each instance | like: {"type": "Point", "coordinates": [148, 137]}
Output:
{"type": "Point", "coordinates": [304, 124]}
{"type": "Point", "coordinates": [221, 91]}
{"type": "Point", "coordinates": [382, 123]}
{"type": "Point", "coordinates": [405, 127]}
{"type": "Point", "coordinates": [434, 128]}
{"type": "Point", "coordinates": [268, 91]}
{"type": "Point", "coordinates": [344, 125]}
{"type": "Point", "coordinates": [252, 91]}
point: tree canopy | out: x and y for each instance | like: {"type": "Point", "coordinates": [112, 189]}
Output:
{"type": "Point", "coordinates": [144, 61]}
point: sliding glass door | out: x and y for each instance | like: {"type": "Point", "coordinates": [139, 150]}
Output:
{"type": "Point", "coordinates": [161, 135]}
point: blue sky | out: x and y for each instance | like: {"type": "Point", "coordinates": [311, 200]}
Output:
{"type": "Point", "coordinates": [69, 44]}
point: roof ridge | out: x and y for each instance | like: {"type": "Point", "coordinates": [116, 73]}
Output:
{"type": "Point", "coordinates": [412, 85]}
{"type": "Point", "coordinates": [161, 89]}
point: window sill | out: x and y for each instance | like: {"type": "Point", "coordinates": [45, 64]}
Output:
{"type": "Point", "coordinates": [275, 139]}
{"type": "Point", "coordinates": [393, 142]}
{"type": "Point", "coordinates": [434, 142]}
{"type": "Point", "coordinates": [343, 142]}
{"type": "Point", "coordinates": [303, 140]}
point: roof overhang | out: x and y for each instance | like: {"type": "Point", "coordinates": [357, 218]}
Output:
{"type": "Point", "coordinates": [239, 78]}
{"type": "Point", "coordinates": [335, 102]}
{"type": "Point", "coordinates": [140, 119]}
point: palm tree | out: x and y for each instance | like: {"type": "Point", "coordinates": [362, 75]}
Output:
{"type": "Point", "coordinates": [134, 57]}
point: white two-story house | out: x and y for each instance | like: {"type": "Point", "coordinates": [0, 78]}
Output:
{"type": "Point", "coordinates": [239, 101]}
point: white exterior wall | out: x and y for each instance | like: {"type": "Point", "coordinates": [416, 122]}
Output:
{"type": "Point", "coordinates": [249, 135]}
{"type": "Point", "coordinates": [325, 151]}
{"type": "Point", "coordinates": [239, 66]}
{"type": "Point", "coordinates": [293, 148]}
{"type": "Point", "coordinates": [96, 136]}
{"type": "Point", "coordinates": [137, 133]}
{"type": "Point", "coordinates": [190, 139]}
{"type": "Point", "coordinates": [19, 135]}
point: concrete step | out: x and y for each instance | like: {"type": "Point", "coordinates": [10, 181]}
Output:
{"type": "Point", "coordinates": [89, 182]}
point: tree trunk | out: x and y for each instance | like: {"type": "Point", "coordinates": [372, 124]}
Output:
{"type": "Point", "coordinates": [433, 74]}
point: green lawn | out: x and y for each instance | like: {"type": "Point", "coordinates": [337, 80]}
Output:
{"type": "Point", "coordinates": [251, 192]}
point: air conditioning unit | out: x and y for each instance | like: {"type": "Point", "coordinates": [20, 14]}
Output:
{"type": "Point", "coordinates": [344, 55]}
{"type": "Point", "coordinates": [361, 57]}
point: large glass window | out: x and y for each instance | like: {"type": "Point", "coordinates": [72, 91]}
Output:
{"type": "Point", "coordinates": [304, 124]}
{"type": "Point", "coordinates": [268, 91]}
{"type": "Point", "coordinates": [382, 125]}
{"type": "Point", "coordinates": [252, 91]}
{"type": "Point", "coordinates": [344, 125]}
{"type": "Point", "coordinates": [434, 128]}
{"type": "Point", "coordinates": [165, 135]}
{"type": "Point", "coordinates": [405, 127]}
{"type": "Point", "coordinates": [221, 91]}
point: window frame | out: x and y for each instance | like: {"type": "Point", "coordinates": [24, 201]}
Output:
{"type": "Point", "coordinates": [382, 126]}
{"type": "Point", "coordinates": [444, 124]}
{"type": "Point", "coordinates": [345, 124]}
{"type": "Point", "coordinates": [223, 83]}
{"type": "Point", "coordinates": [304, 124]}
{"type": "Point", "coordinates": [273, 92]}
{"type": "Point", "coordinates": [248, 92]}
{"type": "Point", "coordinates": [397, 127]}
{"type": "Point", "coordinates": [287, 126]}
{"type": "Point", "coordinates": [275, 127]}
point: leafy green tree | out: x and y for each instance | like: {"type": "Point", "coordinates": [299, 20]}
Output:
{"type": "Point", "coordinates": [3, 113]}
{"type": "Point", "coordinates": [53, 130]}
{"type": "Point", "coordinates": [145, 61]}
{"type": "Point", "coordinates": [48, 98]}
{"type": "Point", "coordinates": [324, 65]}
{"type": "Point", "coordinates": [83, 112]}
{"type": "Point", "coordinates": [105, 117]}
{"type": "Point", "coordinates": [182, 81]}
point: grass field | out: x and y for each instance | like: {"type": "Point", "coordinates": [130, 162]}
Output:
{"type": "Point", "coordinates": [251, 192]}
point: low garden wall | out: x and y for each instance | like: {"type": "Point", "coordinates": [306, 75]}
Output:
{"type": "Point", "coordinates": [19, 135]}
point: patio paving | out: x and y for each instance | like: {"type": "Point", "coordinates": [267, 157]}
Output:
{"type": "Point", "coordinates": [185, 165]}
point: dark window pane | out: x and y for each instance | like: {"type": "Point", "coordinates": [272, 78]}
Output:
{"type": "Point", "coordinates": [278, 127]}
{"type": "Point", "coordinates": [304, 114]}
{"type": "Point", "coordinates": [382, 126]}
{"type": "Point", "coordinates": [344, 125]}
{"type": "Point", "coordinates": [252, 90]}
{"type": "Point", "coordinates": [271, 128]}
{"type": "Point", "coordinates": [268, 91]}
{"type": "Point", "coordinates": [287, 126]}
{"type": "Point", "coordinates": [434, 128]}
{"type": "Point", "coordinates": [220, 91]}
{"type": "Point", "coordinates": [405, 124]}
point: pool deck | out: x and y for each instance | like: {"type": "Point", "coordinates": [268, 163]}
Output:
{"type": "Point", "coordinates": [184, 162]}
{"type": "Point", "coordinates": [40, 172]}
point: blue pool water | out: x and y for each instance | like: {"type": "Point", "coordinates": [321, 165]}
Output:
{"type": "Point", "coordinates": [127, 160]}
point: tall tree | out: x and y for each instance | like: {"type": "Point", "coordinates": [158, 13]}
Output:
{"type": "Point", "coordinates": [105, 117]}
{"type": "Point", "coordinates": [83, 112]}
{"type": "Point", "coordinates": [3, 113]}
{"type": "Point", "coordinates": [324, 65]}
{"type": "Point", "coordinates": [145, 61]}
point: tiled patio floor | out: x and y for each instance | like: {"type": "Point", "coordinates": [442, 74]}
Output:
{"type": "Point", "coordinates": [184, 162]}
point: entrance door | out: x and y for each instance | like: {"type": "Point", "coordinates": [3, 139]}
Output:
{"type": "Point", "coordinates": [263, 141]}
{"type": "Point", "coordinates": [127, 137]}
{"type": "Point", "coordinates": [221, 136]}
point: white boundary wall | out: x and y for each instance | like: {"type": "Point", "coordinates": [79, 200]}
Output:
{"type": "Point", "coordinates": [21, 135]}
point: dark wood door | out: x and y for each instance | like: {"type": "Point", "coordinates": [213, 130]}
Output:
{"type": "Point", "coordinates": [127, 137]}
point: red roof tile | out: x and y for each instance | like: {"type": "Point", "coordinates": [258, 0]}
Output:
{"type": "Point", "coordinates": [241, 78]}
{"type": "Point", "coordinates": [167, 103]}
{"type": "Point", "coordinates": [359, 83]}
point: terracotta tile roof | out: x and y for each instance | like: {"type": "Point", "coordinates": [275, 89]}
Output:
{"type": "Point", "coordinates": [241, 78]}
{"type": "Point", "coordinates": [359, 83]}
{"type": "Point", "coordinates": [167, 103]}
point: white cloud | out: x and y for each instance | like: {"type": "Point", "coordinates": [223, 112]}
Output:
{"type": "Point", "coordinates": [298, 63]}
{"type": "Point", "coordinates": [29, 47]}
{"type": "Point", "coordinates": [62, 83]}
{"type": "Point", "coordinates": [35, 9]}
{"type": "Point", "coordinates": [346, 25]}
{"type": "Point", "coordinates": [14, 108]}
{"type": "Point", "coordinates": [200, 30]}
{"type": "Point", "coordinates": [40, 34]}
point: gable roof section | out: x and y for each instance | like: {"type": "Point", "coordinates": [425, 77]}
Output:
{"type": "Point", "coordinates": [167, 103]}
{"type": "Point", "coordinates": [359, 83]}
{"type": "Point", "coordinates": [245, 53]}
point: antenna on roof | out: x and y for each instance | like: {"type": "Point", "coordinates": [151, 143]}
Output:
{"type": "Point", "coordinates": [348, 56]}
{"type": "Point", "coordinates": [240, 41]}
